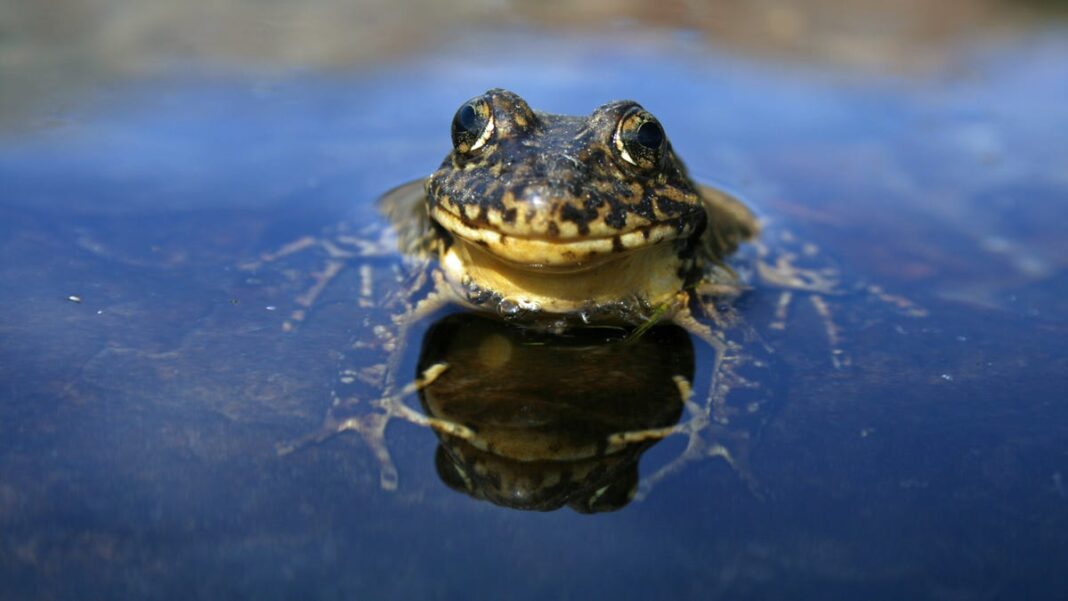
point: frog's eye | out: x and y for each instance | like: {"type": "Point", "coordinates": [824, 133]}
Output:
{"type": "Point", "coordinates": [472, 126]}
{"type": "Point", "coordinates": [640, 139]}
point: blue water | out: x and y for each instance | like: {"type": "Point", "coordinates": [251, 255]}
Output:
{"type": "Point", "coordinates": [138, 425]}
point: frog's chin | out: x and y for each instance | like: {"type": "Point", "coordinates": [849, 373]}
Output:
{"type": "Point", "coordinates": [557, 253]}
{"type": "Point", "coordinates": [649, 275]}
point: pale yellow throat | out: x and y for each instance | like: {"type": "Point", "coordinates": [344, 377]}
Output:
{"type": "Point", "coordinates": [649, 273]}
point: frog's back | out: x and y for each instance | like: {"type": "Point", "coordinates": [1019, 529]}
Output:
{"type": "Point", "coordinates": [730, 223]}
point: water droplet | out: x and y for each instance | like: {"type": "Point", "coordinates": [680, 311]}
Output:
{"type": "Point", "coordinates": [508, 308]}
{"type": "Point", "coordinates": [474, 293]}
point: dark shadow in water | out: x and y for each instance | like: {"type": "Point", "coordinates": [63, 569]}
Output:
{"type": "Point", "coordinates": [544, 406]}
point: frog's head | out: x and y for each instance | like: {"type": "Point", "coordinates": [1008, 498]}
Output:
{"type": "Point", "coordinates": [555, 191]}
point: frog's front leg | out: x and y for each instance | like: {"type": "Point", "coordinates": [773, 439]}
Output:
{"type": "Point", "coordinates": [704, 439]}
{"type": "Point", "coordinates": [707, 429]}
{"type": "Point", "coordinates": [719, 379]}
{"type": "Point", "coordinates": [729, 356]}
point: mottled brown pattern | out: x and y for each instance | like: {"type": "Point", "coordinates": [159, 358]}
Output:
{"type": "Point", "coordinates": [554, 176]}
{"type": "Point", "coordinates": [545, 218]}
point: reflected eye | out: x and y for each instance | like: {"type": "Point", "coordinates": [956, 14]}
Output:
{"type": "Point", "coordinates": [472, 126]}
{"type": "Point", "coordinates": [640, 139]}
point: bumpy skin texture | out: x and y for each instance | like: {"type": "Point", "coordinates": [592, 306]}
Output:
{"type": "Point", "coordinates": [561, 177]}
{"type": "Point", "coordinates": [557, 219]}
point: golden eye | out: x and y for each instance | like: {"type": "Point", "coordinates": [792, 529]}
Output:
{"type": "Point", "coordinates": [640, 139]}
{"type": "Point", "coordinates": [472, 126]}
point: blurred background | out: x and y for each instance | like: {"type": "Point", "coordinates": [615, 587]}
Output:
{"type": "Point", "coordinates": [50, 50]}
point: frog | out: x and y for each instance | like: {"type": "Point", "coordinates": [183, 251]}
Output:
{"type": "Point", "coordinates": [556, 222]}
{"type": "Point", "coordinates": [549, 218]}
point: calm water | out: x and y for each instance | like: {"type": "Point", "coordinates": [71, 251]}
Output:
{"type": "Point", "coordinates": [138, 426]}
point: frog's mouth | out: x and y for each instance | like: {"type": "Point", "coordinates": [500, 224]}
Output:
{"type": "Point", "coordinates": [539, 252]}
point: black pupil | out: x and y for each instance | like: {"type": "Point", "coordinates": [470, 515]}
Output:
{"type": "Point", "coordinates": [468, 119]}
{"type": "Point", "coordinates": [650, 135]}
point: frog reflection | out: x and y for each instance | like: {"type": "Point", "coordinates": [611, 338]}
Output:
{"type": "Point", "coordinates": [544, 412]}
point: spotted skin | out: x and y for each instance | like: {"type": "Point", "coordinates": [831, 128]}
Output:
{"type": "Point", "coordinates": [561, 177]}
{"type": "Point", "coordinates": [565, 197]}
